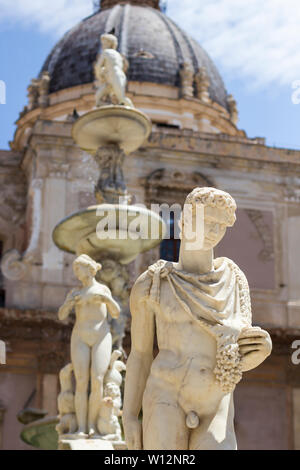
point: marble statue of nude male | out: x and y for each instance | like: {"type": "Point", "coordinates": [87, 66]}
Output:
{"type": "Point", "coordinates": [200, 310]}
{"type": "Point", "coordinates": [110, 73]}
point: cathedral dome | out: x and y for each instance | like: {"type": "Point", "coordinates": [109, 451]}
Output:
{"type": "Point", "coordinates": [154, 45]}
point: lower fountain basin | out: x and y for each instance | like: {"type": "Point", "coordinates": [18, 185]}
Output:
{"type": "Point", "coordinates": [41, 434]}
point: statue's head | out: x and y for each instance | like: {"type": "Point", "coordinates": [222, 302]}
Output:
{"type": "Point", "coordinates": [214, 209]}
{"type": "Point", "coordinates": [85, 268]}
{"type": "Point", "coordinates": [112, 390]}
{"type": "Point", "coordinates": [109, 41]}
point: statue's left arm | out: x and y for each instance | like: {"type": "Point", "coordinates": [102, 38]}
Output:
{"type": "Point", "coordinates": [255, 344]}
{"type": "Point", "coordinates": [67, 306]}
{"type": "Point", "coordinates": [98, 66]}
{"type": "Point", "coordinates": [113, 307]}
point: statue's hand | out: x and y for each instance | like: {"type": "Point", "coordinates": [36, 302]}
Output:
{"type": "Point", "coordinates": [76, 296]}
{"type": "Point", "coordinates": [255, 345]}
{"type": "Point", "coordinates": [68, 305]}
{"type": "Point", "coordinates": [133, 433]}
{"type": "Point", "coordinates": [73, 296]}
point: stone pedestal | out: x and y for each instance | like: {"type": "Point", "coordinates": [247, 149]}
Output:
{"type": "Point", "coordinates": [89, 444]}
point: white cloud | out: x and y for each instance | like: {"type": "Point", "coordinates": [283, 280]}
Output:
{"type": "Point", "coordinates": [252, 39]}
{"type": "Point", "coordinates": [50, 16]}
{"type": "Point", "coordinates": [257, 41]}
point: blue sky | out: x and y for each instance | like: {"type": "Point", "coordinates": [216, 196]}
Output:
{"type": "Point", "coordinates": [255, 45]}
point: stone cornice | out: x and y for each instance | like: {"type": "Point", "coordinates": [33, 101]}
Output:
{"type": "Point", "coordinates": [157, 102]}
{"type": "Point", "coordinates": [10, 159]}
{"type": "Point", "coordinates": [35, 339]}
{"type": "Point", "coordinates": [222, 145]}
{"type": "Point", "coordinates": [33, 325]}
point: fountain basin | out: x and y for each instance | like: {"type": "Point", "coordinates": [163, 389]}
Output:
{"type": "Point", "coordinates": [126, 127]}
{"type": "Point", "coordinates": [41, 434]}
{"type": "Point", "coordinates": [117, 231]}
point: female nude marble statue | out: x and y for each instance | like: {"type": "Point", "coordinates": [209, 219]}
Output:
{"type": "Point", "coordinates": [201, 312]}
{"type": "Point", "coordinates": [110, 72]}
{"type": "Point", "coordinates": [91, 341]}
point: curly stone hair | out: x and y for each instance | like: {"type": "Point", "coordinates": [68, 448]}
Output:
{"type": "Point", "coordinates": [214, 198]}
{"type": "Point", "coordinates": [85, 260]}
{"type": "Point", "coordinates": [110, 39]}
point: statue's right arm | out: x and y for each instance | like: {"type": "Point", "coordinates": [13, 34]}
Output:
{"type": "Point", "coordinates": [98, 66]}
{"type": "Point", "coordinates": [139, 361]}
{"type": "Point", "coordinates": [67, 306]}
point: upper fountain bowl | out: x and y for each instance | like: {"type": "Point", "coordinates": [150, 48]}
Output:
{"type": "Point", "coordinates": [126, 127]}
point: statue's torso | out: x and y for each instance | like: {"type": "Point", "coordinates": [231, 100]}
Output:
{"type": "Point", "coordinates": [91, 315]}
{"type": "Point", "coordinates": [113, 59]}
{"type": "Point", "coordinates": [186, 358]}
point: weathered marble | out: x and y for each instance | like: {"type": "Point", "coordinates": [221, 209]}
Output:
{"type": "Point", "coordinates": [110, 71]}
{"type": "Point", "coordinates": [2, 353]}
{"type": "Point", "coordinates": [202, 312]}
{"type": "Point", "coordinates": [91, 356]}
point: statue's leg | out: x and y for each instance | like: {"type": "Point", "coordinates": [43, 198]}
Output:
{"type": "Point", "coordinates": [101, 354]}
{"type": "Point", "coordinates": [164, 425]}
{"type": "Point", "coordinates": [101, 93]}
{"type": "Point", "coordinates": [216, 432]}
{"type": "Point", "coordinates": [80, 355]}
{"type": "Point", "coordinates": [119, 88]}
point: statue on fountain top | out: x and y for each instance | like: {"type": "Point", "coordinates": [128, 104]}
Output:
{"type": "Point", "coordinates": [110, 72]}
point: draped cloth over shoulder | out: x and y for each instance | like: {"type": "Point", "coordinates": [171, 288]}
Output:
{"type": "Point", "coordinates": [219, 301]}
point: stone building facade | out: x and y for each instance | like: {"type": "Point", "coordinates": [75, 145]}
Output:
{"type": "Point", "coordinates": [195, 141]}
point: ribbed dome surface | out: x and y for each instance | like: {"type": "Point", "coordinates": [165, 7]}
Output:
{"type": "Point", "coordinates": [154, 45]}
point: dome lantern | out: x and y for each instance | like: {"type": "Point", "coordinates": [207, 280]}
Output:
{"type": "Point", "coordinates": [104, 4]}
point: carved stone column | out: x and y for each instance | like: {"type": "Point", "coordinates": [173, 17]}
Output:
{"type": "Point", "coordinates": [2, 353]}
{"type": "Point", "coordinates": [202, 83]}
{"type": "Point", "coordinates": [187, 80]}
